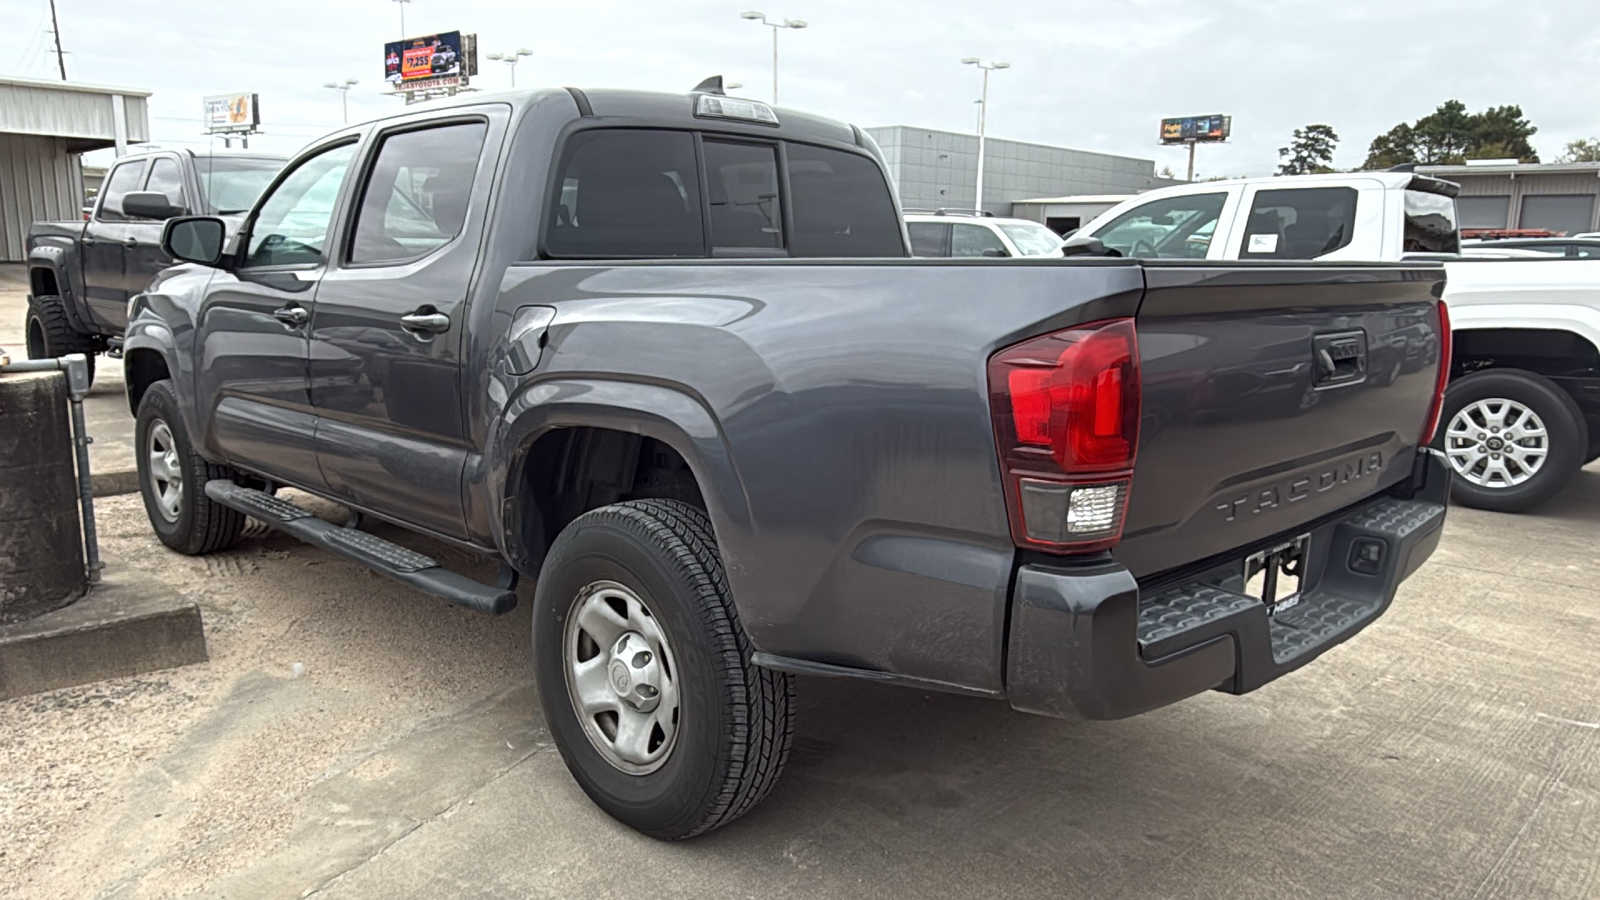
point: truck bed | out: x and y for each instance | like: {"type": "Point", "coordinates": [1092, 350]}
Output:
{"type": "Point", "coordinates": [852, 397]}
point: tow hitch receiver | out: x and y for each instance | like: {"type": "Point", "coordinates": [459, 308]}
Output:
{"type": "Point", "coordinates": [1274, 576]}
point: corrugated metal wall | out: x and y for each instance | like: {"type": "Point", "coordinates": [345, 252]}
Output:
{"type": "Point", "coordinates": [49, 110]}
{"type": "Point", "coordinates": [39, 180]}
{"type": "Point", "coordinates": [1531, 184]}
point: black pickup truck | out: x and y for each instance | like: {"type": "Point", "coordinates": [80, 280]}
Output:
{"type": "Point", "coordinates": [83, 272]}
{"type": "Point", "coordinates": [668, 355]}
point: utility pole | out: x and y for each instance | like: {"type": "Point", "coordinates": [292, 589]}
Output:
{"type": "Point", "coordinates": [1191, 161]}
{"type": "Point", "coordinates": [55, 29]}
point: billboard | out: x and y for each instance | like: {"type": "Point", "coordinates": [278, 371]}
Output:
{"type": "Point", "coordinates": [436, 60]}
{"type": "Point", "coordinates": [1196, 129]}
{"type": "Point", "coordinates": [225, 113]}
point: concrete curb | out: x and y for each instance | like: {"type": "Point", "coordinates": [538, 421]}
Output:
{"type": "Point", "coordinates": [128, 625]}
{"type": "Point", "coordinates": [110, 484]}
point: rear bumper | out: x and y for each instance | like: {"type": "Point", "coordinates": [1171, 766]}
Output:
{"type": "Point", "coordinates": [1089, 642]}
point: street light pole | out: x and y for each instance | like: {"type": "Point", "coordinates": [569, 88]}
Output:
{"type": "Point", "coordinates": [983, 116]}
{"type": "Point", "coordinates": [343, 87]}
{"type": "Point", "coordinates": [761, 17]}
{"type": "Point", "coordinates": [510, 59]}
{"type": "Point", "coordinates": [402, 17]}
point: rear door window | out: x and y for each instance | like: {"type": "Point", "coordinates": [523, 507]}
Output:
{"type": "Point", "coordinates": [742, 185]}
{"type": "Point", "coordinates": [415, 200]}
{"type": "Point", "coordinates": [842, 205]}
{"type": "Point", "coordinates": [929, 238]}
{"type": "Point", "coordinates": [1299, 223]}
{"type": "Point", "coordinates": [1166, 228]}
{"type": "Point", "coordinates": [124, 179]}
{"type": "Point", "coordinates": [627, 193]}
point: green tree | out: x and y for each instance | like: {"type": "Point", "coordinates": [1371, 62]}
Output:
{"type": "Point", "coordinates": [1310, 151]}
{"type": "Point", "coordinates": [1450, 135]}
{"type": "Point", "coordinates": [1581, 150]}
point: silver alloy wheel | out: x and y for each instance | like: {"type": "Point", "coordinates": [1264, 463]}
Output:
{"type": "Point", "coordinates": [621, 677]}
{"type": "Point", "coordinates": [1496, 443]}
{"type": "Point", "coordinates": [166, 471]}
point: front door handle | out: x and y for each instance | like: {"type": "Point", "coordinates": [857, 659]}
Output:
{"type": "Point", "coordinates": [432, 323]}
{"type": "Point", "coordinates": [130, 242]}
{"type": "Point", "coordinates": [291, 315]}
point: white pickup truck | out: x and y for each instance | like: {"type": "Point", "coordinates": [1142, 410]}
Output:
{"type": "Point", "coordinates": [1523, 411]}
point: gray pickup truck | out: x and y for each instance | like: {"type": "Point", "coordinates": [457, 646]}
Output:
{"type": "Point", "coordinates": [668, 355]}
{"type": "Point", "coordinates": [83, 272]}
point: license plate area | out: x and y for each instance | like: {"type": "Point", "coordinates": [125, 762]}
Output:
{"type": "Point", "coordinates": [1275, 575]}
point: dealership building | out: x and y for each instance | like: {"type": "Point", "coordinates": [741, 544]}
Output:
{"type": "Point", "coordinates": [44, 126]}
{"type": "Point", "coordinates": [939, 169]}
{"type": "Point", "coordinates": [1559, 197]}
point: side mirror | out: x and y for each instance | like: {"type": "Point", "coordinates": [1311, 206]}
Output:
{"type": "Point", "coordinates": [1084, 245]}
{"type": "Point", "coordinates": [150, 205]}
{"type": "Point", "coordinates": [995, 251]}
{"type": "Point", "coordinates": [196, 239]}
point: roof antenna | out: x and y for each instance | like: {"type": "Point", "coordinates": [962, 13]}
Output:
{"type": "Point", "coordinates": [712, 85]}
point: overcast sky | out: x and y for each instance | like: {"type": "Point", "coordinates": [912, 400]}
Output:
{"type": "Point", "coordinates": [1091, 74]}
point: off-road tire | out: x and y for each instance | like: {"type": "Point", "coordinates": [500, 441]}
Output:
{"type": "Point", "coordinates": [1568, 438]}
{"type": "Point", "coordinates": [737, 719]}
{"type": "Point", "coordinates": [202, 525]}
{"type": "Point", "coordinates": [50, 334]}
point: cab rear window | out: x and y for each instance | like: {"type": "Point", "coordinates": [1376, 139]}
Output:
{"type": "Point", "coordinates": [648, 194]}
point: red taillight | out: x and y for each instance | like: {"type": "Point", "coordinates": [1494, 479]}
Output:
{"type": "Point", "coordinates": [1442, 381]}
{"type": "Point", "coordinates": [1066, 419]}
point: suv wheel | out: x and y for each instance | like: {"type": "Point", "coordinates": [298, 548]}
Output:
{"type": "Point", "coordinates": [1513, 439]}
{"type": "Point", "coordinates": [172, 479]}
{"type": "Point", "coordinates": [645, 674]}
{"type": "Point", "coordinates": [50, 335]}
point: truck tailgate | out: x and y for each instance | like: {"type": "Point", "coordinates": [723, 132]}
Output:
{"type": "Point", "coordinates": [1273, 394]}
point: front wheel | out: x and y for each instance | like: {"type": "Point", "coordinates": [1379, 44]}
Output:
{"type": "Point", "coordinates": [172, 479]}
{"type": "Point", "coordinates": [1513, 438]}
{"type": "Point", "coordinates": [645, 675]}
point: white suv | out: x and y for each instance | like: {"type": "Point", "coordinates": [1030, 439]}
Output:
{"type": "Point", "coordinates": [962, 233]}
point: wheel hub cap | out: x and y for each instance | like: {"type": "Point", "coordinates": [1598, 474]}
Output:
{"type": "Point", "coordinates": [621, 677]}
{"type": "Point", "coordinates": [165, 478]}
{"type": "Point", "coordinates": [1496, 443]}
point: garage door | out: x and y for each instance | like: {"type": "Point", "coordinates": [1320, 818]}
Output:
{"type": "Point", "coordinates": [1564, 214]}
{"type": "Point", "coordinates": [1483, 212]}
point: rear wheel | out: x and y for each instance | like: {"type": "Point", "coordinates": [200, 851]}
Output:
{"type": "Point", "coordinates": [1513, 438]}
{"type": "Point", "coordinates": [50, 334]}
{"type": "Point", "coordinates": [645, 674]}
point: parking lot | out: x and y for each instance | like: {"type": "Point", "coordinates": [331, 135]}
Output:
{"type": "Point", "coordinates": [349, 738]}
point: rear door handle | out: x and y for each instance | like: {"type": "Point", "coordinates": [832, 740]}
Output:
{"type": "Point", "coordinates": [293, 316]}
{"type": "Point", "coordinates": [130, 242]}
{"type": "Point", "coordinates": [431, 323]}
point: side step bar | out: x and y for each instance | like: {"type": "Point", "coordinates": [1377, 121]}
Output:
{"type": "Point", "coordinates": [381, 556]}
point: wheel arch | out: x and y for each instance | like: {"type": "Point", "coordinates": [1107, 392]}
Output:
{"type": "Point", "coordinates": [594, 437]}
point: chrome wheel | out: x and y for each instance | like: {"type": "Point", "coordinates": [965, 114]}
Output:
{"type": "Point", "coordinates": [1496, 443]}
{"type": "Point", "coordinates": [621, 677]}
{"type": "Point", "coordinates": [165, 471]}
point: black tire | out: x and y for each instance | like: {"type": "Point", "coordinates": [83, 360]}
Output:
{"type": "Point", "coordinates": [199, 525]}
{"type": "Point", "coordinates": [50, 334]}
{"type": "Point", "coordinates": [737, 719]}
{"type": "Point", "coordinates": [1567, 437]}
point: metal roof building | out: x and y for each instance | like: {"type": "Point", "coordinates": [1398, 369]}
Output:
{"type": "Point", "coordinates": [44, 125]}
{"type": "Point", "coordinates": [1560, 197]}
